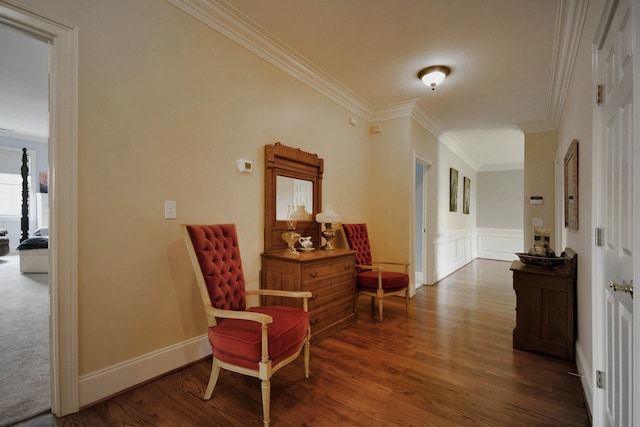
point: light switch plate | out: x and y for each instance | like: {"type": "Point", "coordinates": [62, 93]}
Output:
{"type": "Point", "coordinates": [169, 209]}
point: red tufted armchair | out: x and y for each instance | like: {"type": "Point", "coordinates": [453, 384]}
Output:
{"type": "Point", "coordinates": [371, 279]}
{"type": "Point", "coordinates": [253, 341]}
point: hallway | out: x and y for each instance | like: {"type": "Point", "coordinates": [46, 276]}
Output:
{"type": "Point", "coordinates": [449, 362]}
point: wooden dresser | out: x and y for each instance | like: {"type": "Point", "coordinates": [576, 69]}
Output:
{"type": "Point", "coordinates": [328, 275]}
{"type": "Point", "coordinates": [546, 308]}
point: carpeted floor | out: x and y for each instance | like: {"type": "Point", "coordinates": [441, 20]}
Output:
{"type": "Point", "coordinates": [24, 343]}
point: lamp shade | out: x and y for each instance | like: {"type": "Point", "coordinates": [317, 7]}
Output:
{"type": "Point", "coordinates": [433, 76]}
{"type": "Point", "coordinates": [328, 215]}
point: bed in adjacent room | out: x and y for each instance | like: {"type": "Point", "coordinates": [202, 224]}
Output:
{"type": "Point", "coordinates": [34, 252]}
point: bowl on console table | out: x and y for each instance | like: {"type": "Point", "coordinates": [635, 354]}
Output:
{"type": "Point", "coordinates": [540, 261]}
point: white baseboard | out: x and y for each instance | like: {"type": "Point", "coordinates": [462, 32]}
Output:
{"type": "Point", "coordinates": [587, 376]}
{"type": "Point", "coordinates": [106, 382]}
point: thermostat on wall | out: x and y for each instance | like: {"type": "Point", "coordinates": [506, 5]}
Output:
{"type": "Point", "coordinates": [536, 200]}
{"type": "Point", "coordinates": [245, 166]}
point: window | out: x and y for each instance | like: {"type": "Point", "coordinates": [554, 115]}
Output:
{"type": "Point", "coordinates": [11, 194]}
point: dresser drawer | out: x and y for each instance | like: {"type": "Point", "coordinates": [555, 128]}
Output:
{"type": "Point", "coordinates": [326, 269]}
{"type": "Point", "coordinates": [333, 317]}
{"type": "Point", "coordinates": [328, 275]}
{"type": "Point", "coordinates": [327, 292]}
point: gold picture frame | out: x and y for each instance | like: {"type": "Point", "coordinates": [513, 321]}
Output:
{"type": "Point", "coordinates": [453, 190]}
{"type": "Point", "coordinates": [466, 198]}
{"type": "Point", "coordinates": [571, 211]}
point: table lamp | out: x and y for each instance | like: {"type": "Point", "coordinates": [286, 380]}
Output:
{"type": "Point", "coordinates": [328, 217]}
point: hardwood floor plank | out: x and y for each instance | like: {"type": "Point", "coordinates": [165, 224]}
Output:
{"type": "Point", "coordinates": [449, 362]}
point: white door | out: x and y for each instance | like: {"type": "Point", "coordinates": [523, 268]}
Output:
{"type": "Point", "coordinates": [615, 137]}
{"type": "Point", "coordinates": [420, 259]}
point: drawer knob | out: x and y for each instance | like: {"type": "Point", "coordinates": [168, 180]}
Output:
{"type": "Point", "coordinates": [314, 274]}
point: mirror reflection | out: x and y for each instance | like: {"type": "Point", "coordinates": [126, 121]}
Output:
{"type": "Point", "coordinates": [293, 192]}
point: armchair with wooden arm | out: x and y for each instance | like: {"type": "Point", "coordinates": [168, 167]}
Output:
{"type": "Point", "coordinates": [371, 278]}
{"type": "Point", "coordinates": [255, 341]}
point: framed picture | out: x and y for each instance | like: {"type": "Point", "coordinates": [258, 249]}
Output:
{"type": "Point", "coordinates": [453, 190]}
{"type": "Point", "coordinates": [44, 182]}
{"type": "Point", "coordinates": [466, 199]}
{"type": "Point", "coordinates": [571, 186]}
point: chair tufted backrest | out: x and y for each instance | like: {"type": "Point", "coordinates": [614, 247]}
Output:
{"type": "Point", "coordinates": [358, 239]}
{"type": "Point", "coordinates": [218, 253]}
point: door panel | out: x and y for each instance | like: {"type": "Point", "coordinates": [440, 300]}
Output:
{"type": "Point", "coordinates": [616, 150]}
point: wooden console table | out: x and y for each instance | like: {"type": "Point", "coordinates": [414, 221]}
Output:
{"type": "Point", "coordinates": [328, 275]}
{"type": "Point", "coordinates": [546, 308]}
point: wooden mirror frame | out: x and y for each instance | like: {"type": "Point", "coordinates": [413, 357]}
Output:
{"type": "Point", "coordinates": [281, 160]}
{"type": "Point", "coordinates": [571, 212]}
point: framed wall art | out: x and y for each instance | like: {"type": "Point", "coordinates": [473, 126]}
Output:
{"type": "Point", "coordinates": [466, 198]}
{"type": "Point", "coordinates": [453, 190]}
{"type": "Point", "coordinates": [571, 213]}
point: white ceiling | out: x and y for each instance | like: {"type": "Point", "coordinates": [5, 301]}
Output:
{"type": "Point", "coordinates": [508, 59]}
{"type": "Point", "coordinates": [510, 62]}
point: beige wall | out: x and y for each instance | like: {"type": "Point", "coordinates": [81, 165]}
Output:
{"type": "Point", "coordinates": [539, 180]}
{"type": "Point", "coordinates": [166, 106]}
{"type": "Point", "coordinates": [391, 184]}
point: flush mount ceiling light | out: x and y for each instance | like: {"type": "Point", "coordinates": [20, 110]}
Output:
{"type": "Point", "coordinates": [433, 76]}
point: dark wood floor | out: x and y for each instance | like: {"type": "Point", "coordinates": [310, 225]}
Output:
{"type": "Point", "coordinates": [448, 363]}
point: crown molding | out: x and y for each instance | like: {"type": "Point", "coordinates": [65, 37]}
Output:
{"type": "Point", "coordinates": [501, 168]}
{"type": "Point", "coordinates": [421, 115]}
{"type": "Point", "coordinates": [417, 111]}
{"type": "Point", "coordinates": [394, 111]}
{"type": "Point", "coordinates": [569, 26]}
{"type": "Point", "coordinates": [535, 127]}
{"type": "Point", "coordinates": [22, 136]}
{"type": "Point", "coordinates": [228, 21]}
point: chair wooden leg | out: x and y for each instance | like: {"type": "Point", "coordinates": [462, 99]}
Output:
{"type": "Point", "coordinates": [213, 379]}
{"type": "Point", "coordinates": [406, 301]}
{"type": "Point", "coordinates": [380, 300]}
{"type": "Point", "coordinates": [266, 401]}
{"type": "Point", "coordinates": [306, 359]}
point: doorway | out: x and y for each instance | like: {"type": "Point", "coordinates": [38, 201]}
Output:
{"type": "Point", "coordinates": [63, 168]}
{"type": "Point", "coordinates": [24, 122]}
{"type": "Point", "coordinates": [420, 259]}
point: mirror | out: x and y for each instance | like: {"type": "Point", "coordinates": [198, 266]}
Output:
{"type": "Point", "coordinates": [292, 192]}
{"type": "Point", "coordinates": [571, 186]}
{"type": "Point", "coordinates": [293, 180]}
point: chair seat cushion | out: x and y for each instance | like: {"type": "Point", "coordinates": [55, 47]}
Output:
{"type": "Point", "coordinates": [391, 281]}
{"type": "Point", "coordinates": [238, 342]}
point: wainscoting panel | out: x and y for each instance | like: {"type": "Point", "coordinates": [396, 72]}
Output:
{"type": "Point", "coordinates": [452, 250]}
{"type": "Point", "coordinates": [499, 243]}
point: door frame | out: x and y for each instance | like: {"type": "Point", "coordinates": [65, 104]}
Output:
{"type": "Point", "coordinates": [597, 282]}
{"type": "Point", "coordinates": [426, 252]}
{"type": "Point", "coordinates": [63, 172]}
